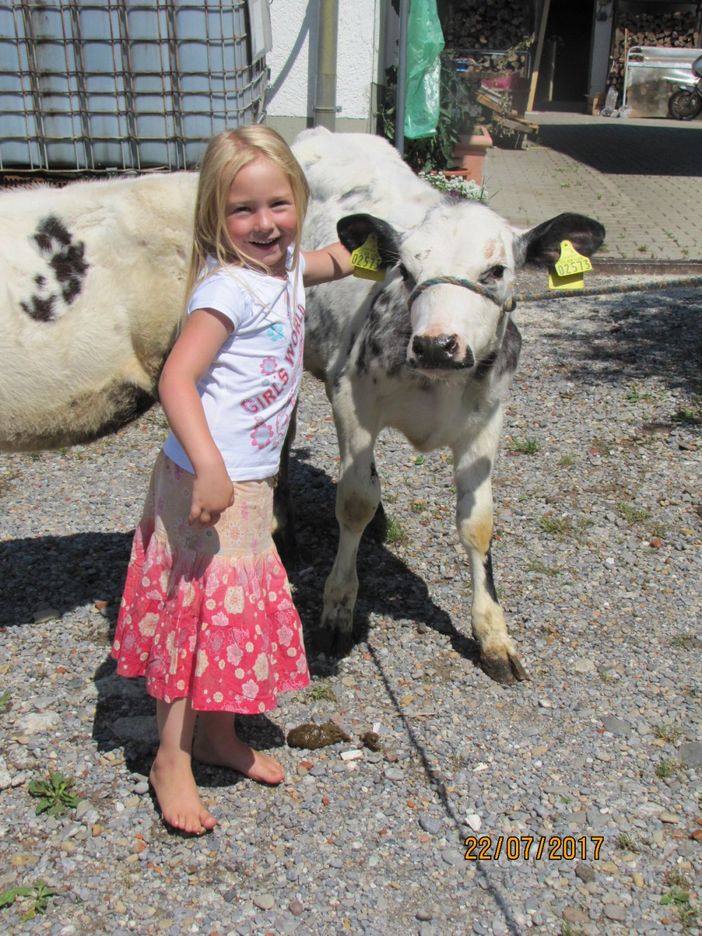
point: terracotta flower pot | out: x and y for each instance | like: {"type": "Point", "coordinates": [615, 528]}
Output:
{"type": "Point", "coordinates": [470, 152]}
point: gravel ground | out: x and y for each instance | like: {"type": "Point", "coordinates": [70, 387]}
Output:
{"type": "Point", "coordinates": [597, 757]}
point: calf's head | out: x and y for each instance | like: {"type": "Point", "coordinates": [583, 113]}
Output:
{"type": "Point", "coordinates": [454, 276]}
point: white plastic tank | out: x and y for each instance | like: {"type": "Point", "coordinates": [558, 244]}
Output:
{"type": "Point", "coordinates": [124, 84]}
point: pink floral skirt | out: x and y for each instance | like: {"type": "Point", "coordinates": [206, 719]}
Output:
{"type": "Point", "coordinates": [206, 612]}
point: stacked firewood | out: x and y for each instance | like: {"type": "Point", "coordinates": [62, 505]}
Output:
{"type": "Point", "coordinates": [671, 28]}
{"type": "Point", "coordinates": [474, 24]}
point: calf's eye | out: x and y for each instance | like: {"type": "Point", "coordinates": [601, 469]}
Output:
{"type": "Point", "coordinates": [494, 274]}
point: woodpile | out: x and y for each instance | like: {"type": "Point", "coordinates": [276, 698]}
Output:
{"type": "Point", "coordinates": [670, 28]}
{"type": "Point", "coordinates": [474, 24]}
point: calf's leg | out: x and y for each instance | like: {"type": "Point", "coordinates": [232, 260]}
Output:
{"type": "Point", "coordinates": [283, 515]}
{"type": "Point", "coordinates": [498, 656]}
{"type": "Point", "coordinates": [357, 498]}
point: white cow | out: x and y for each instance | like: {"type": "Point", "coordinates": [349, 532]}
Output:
{"type": "Point", "coordinates": [93, 278]}
{"type": "Point", "coordinates": [430, 351]}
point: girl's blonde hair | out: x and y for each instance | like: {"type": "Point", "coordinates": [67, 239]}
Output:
{"type": "Point", "coordinates": [226, 154]}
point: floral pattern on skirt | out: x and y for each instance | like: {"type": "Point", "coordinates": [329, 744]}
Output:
{"type": "Point", "coordinates": [207, 612]}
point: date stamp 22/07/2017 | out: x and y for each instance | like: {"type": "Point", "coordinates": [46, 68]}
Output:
{"type": "Point", "coordinates": [550, 847]}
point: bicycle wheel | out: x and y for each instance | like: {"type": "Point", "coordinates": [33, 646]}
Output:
{"type": "Point", "coordinates": [684, 105]}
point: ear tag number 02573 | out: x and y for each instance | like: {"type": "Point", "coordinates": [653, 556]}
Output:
{"type": "Point", "coordinates": [366, 260]}
{"type": "Point", "coordinates": [569, 269]}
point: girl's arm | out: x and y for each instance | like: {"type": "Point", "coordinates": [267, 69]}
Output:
{"type": "Point", "coordinates": [328, 263]}
{"type": "Point", "coordinates": [202, 336]}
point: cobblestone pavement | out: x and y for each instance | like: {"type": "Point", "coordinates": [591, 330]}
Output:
{"type": "Point", "coordinates": [641, 178]}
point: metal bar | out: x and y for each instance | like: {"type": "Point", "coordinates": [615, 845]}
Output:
{"type": "Point", "coordinates": [325, 94]}
{"type": "Point", "coordinates": [401, 88]}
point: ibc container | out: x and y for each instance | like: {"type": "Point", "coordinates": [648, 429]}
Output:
{"type": "Point", "coordinates": [125, 84]}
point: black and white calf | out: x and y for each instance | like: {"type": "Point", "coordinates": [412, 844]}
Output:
{"type": "Point", "coordinates": [431, 351]}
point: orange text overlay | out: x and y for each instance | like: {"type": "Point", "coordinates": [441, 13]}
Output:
{"type": "Point", "coordinates": [550, 847]}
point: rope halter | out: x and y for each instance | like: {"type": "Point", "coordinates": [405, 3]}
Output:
{"type": "Point", "coordinates": [505, 306]}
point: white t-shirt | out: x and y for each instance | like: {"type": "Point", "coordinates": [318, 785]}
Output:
{"type": "Point", "coordinates": [250, 390]}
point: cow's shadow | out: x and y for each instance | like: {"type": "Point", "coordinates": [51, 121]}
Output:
{"type": "Point", "coordinates": [388, 587]}
{"type": "Point", "coordinates": [58, 574]}
{"type": "Point", "coordinates": [55, 575]}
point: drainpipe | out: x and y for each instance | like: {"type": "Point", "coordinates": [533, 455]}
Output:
{"type": "Point", "coordinates": [325, 97]}
{"type": "Point", "coordinates": [400, 93]}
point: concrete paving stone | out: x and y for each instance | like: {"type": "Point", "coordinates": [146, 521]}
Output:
{"type": "Point", "coordinates": [640, 178]}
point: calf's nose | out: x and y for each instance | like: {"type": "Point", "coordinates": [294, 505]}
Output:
{"type": "Point", "coordinates": [438, 351]}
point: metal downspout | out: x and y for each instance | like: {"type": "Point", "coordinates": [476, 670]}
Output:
{"type": "Point", "coordinates": [325, 95]}
{"type": "Point", "coordinates": [401, 80]}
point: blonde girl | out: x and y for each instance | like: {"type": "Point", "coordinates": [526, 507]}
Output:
{"type": "Point", "coordinates": [206, 614]}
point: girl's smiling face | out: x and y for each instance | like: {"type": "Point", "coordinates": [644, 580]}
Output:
{"type": "Point", "coordinates": [261, 216]}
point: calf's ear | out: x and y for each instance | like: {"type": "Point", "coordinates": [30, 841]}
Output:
{"type": "Point", "coordinates": [542, 244]}
{"type": "Point", "coordinates": [354, 230]}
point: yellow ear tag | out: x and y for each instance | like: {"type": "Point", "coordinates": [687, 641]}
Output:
{"type": "Point", "coordinates": [366, 260]}
{"type": "Point", "coordinates": [569, 269]}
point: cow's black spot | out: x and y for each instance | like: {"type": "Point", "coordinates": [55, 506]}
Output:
{"type": "Point", "coordinates": [40, 309]}
{"type": "Point", "coordinates": [69, 266]}
{"type": "Point", "coordinates": [43, 241]}
{"type": "Point", "coordinates": [53, 228]}
{"type": "Point", "coordinates": [66, 258]}
{"type": "Point", "coordinates": [508, 357]}
{"type": "Point", "coordinates": [485, 366]}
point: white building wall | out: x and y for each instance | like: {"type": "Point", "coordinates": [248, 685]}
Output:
{"type": "Point", "coordinates": [293, 62]}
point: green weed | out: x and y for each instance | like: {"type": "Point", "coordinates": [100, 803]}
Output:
{"type": "Point", "coordinates": [38, 895]}
{"type": "Point", "coordinates": [542, 569]}
{"type": "Point", "coordinates": [631, 513]}
{"type": "Point", "coordinates": [556, 526]}
{"type": "Point", "coordinates": [320, 691]}
{"type": "Point", "coordinates": [679, 900]}
{"type": "Point", "coordinates": [687, 416]}
{"type": "Point", "coordinates": [666, 767]}
{"type": "Point", "coordinates": [5, 701]}
{"type": "Point", "coordinates": [668, 732]}
{"type": "Point", "coordinates": [636, 396]}
{"type": "Point", "coordinates": [395, 532]}
{"type": "Point", "coordinates": [54, 794]}
{"type": "Point", "coordinates": [525, 446]}
{"type": "Point", "coordinates": [419, 460]}
{"type": "Point", "coordinates": [627, 842]}
{"type": "Point", "coordinates": [685, 642]}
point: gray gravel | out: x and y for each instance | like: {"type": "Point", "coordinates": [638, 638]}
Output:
{"type": "Point", "coordinates": [599, 566]}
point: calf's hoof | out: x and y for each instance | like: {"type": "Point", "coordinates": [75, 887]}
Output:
{"type": "Point", "coordinates": [335, 635]}
{"type": "Point", "coordinates": [333, 642]}
{"type": "Point", "coordinates": [505, 668]}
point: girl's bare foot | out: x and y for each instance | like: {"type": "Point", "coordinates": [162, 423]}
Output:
{"type": "Point", "coordinates": [216, 743]}
{"type": "Point", "coordinates": [173, 782]}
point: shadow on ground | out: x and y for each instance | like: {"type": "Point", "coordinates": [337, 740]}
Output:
{"type": "Point", "coordinates": [639, 336]}
{"type": "Point", "coordinates": [61, 573]}
{"type": "Point", "coordinates": [617, 147]}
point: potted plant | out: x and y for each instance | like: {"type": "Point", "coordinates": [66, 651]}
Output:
{"type": "Point", "coordinates": [455, 183]}
{"type": "Point", "coordinates": [471, 150]}
{"type": "Point", "coordinates": [434, 153]}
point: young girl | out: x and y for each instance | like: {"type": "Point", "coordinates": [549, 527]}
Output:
{"type": "Point", "coordinates": [206, 614]}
